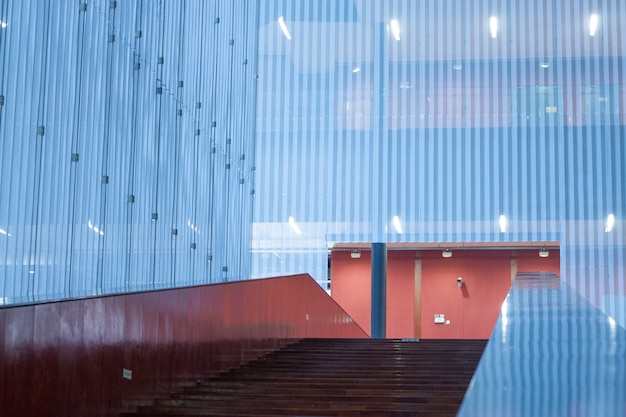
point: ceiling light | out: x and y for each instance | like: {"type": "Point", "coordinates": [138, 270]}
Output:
{"type": "Point", "coordinates": [395, 29]}
{"type": "Point", "coordinates": [446, 253]}
{"type": "Point", "coordinates": [397, 224]}
{"type": "Point", "coordinates": [355, 254]}
{"type": "Point", "coordinates": [593, 24]}
{"type": "Point", "coordinates": [493, 26]}
{"type": "Point", "coordinates": [502, 222]}
{"type": "Point", "coordinates": [544, 253]}
{"type": "Point", "coordinates": [356, 69]}
{"type": "Point", "coordinates": [283, 27]}
{"type": "Point", "coordinates": [610, 222]}
{"type": "Point", "coordinates": [294, 225]}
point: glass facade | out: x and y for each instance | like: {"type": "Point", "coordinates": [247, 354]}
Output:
{"type": "Point", "coordinates": [149, 144]}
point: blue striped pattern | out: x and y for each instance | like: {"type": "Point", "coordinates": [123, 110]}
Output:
{"type": "Point", "coordinates": [447, 128]}
{"type": "Point", "coordinates": [127, 141]}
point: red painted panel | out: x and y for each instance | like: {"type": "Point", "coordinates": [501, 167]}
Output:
{"type": "Point", "coordinates": [351, 288]}
{"type": "Point", "coordinates": [400, 294]}
{"type": "Point", "coordinates": [529, 261]}
{"type": "Point", "coordinates": [351, 284]}
{"type": "Point", "coordinates": [66, 359]}
{"type": "Point", "coordinates": [472, 309]}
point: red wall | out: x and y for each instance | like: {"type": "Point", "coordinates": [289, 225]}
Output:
{"type": "Point", "coordinates": [66, 358]}
{"type": "Point", "coordinates": [351, 288]}
{"type": "Point", "coordinates": [529, 261]}
{"type": "Point", "coordinates": [472, 309]}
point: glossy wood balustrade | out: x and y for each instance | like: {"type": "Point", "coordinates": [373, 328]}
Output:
{"type": "Point", "coordinates": [67, 358]}
{"type": "Point", "coordinates": [336, 377]}
{"type": "Point", "coordinates": [552, 353]}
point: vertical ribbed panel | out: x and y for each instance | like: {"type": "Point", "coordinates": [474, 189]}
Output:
{"type": "Point", "coordinates": [447, 128]}
{"type": "Point", "coordinates": [127, 142]}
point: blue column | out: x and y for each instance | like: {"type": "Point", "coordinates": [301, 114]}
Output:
{"type": "Point", "coordinates": [379, 291]}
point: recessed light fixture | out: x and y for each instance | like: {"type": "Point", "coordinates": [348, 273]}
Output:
{"type": "Point", "coordinates": [593, 24]}
{"type": "Point", "coordinates": [493, 26]}
{"type": "Point", "coordinates": [294, 225]}
{"type": "Point", "coordinates": [283, 27]}
{"type": "Point", "coordinates": [395, 29]}
{"type": "Point", "coordinates": [502, 222]}
{"type": "Point", "coordinates": [610, 222]}
{"type": "Point", "coordinates": [396, 224]}
{"type": "Point", "coordinates": [446, 254]}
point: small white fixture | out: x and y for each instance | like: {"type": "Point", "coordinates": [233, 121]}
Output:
{"type": "Point", "coordinates": [446, 253]}
{"type": "Point", "coordinates": [283, 27]}
{"type": "Point", "coordinates": [355, 254]}
{"type": "Point", "coordinates": [593, 24]}
{"type": "Point", "coordinates": [396, 224]}
{"type": "Point", "coordinates": [395, 29]}
{"type": "Point", "coordinates": [493, 26]}
{"type": "Point", "coordinates": [544, 253]}
{"type": "Point", "coordinates": [294, 225]}
{"type": "Point", "coordinates": [502, 222]}
{"type": "Point", "coordinates": [459, 281]}
{"type": "Point", "coordinates": [610, 222]}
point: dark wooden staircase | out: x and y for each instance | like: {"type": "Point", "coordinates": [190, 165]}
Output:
{"type": "Point", "coordinates": [337, 377]}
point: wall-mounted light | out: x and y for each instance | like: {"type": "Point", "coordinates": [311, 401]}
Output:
{"type": "Point", "coordinates": [593, 24]}
{"type": "Point", "coordinates": [446, 253]}
{"type": "Point", "coordinates": [283, 27]}
{"type": "Point", "coordinates": [610, 222]}
{"type": "Point", "coordinates": [355, 254]}
{"type": "Point", "coordinates": [502, 222]}
{"type": "Point", "coordinates": [294, 225]}
{"type": "Point", "coordinates": [459, 281]}
{"type": "Point", "coordinates": [493, 26]}
{"type": "Point", "coordinates": [395, 29]}
{"type": "Point", "coordinates": [544, 253]}
{"type": "Point", "coordinates": [396, 224]}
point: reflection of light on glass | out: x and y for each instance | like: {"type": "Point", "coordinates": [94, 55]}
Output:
{"type": "Point", "coordinates": [504, 319]}
{"type": "Point", "coordinates": [3, 24]}
{"type": "Point", "coordinates": [610, 222]}
{"type": "Point", "coordinates": [356, 69]}
{"type": "Point", "coordinates": [95, 228]}
{"type": "Point", "coordinates": [4, 232]}
{"type": "Point", "coordinates": [294, 225]}
{"type": "Point", "coordinates": [493, 26]}
{"type": "Point", "coordinates": [283, 27]}
{"type": "Point", "coordinates": [395, 29]}
{"type": "Point", "coordinates": [502, 222]}
{"type": "Point", "coordinates": [396, 224]}
{"type": "Point", "coordinates": [593, 24]}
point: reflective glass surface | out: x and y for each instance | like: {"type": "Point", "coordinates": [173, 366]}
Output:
{"type": "Point", "coordinates": [551, 353]}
